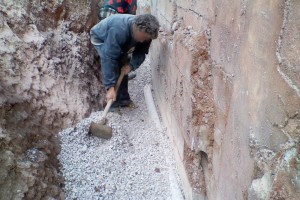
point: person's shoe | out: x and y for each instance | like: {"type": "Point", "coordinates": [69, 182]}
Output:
{"type": "Point", "coordinates": [131, 75]}
{"type": "Point", "coordinates": [125, 103]}
{"type": "Point", "coordinates": [115, 107]}
{"type": "Point", "coordinates": [128, 103]}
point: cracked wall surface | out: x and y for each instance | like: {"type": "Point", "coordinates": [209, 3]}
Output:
{"type": "Point", "coordinates": [226, 79]}
{"type": "Point", "coordinates": [48, 80]}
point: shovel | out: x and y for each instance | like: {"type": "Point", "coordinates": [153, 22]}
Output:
{"type": "Point", "coordinates": [100, 129]}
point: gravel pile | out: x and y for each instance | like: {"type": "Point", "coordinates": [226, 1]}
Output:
{"type": "Point", "coordinates": [136, 163]}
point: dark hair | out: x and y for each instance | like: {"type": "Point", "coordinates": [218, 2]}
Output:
{"type": "Point", "coordinates": [147, 23]}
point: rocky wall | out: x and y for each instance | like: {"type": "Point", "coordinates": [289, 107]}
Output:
{"type": "Point", "coordinates": [226, 80]}
{"type": "Point", "coordinates": [182, 80]}
{"type": "Point", "coordinates": [49, 79]}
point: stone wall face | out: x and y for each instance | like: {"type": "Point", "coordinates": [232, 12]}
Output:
{"type": "Point", "coordinates": [226, 80]}
{"type": "Point", "coordinates": [48, 80]}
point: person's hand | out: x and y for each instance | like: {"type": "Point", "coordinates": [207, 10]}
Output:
{"type": "Point", "coordinates": [111, 94]}
{"type": "Point", "coordinates": [126, 69]}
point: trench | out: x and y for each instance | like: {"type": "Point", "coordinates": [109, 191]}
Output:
{"type": "Point", "coordinates": [136, 163]}
{"type": "Point", "coordinates": [209, 61]}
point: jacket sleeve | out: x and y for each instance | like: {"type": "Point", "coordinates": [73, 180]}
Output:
{"type": "Point", "coordinates": [110, 53]}
{"type": "Point", "coordinates": [139, 54]}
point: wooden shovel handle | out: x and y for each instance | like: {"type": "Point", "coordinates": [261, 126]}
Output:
{"type": "Point", "coordinates": [110, 102]}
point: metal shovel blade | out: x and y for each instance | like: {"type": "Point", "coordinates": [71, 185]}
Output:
{"type": "Point", "coordinates": [100, 130]}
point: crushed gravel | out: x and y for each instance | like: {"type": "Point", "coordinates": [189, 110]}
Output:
{"type": "Point", "coordinates": [136, 163]}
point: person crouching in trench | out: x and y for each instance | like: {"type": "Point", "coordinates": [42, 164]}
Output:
{"type": "Point", "coordinates": [122, 42]}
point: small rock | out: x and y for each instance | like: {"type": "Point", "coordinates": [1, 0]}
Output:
{"type": "Point", "coordinates": [84, 148]}
{"type": "Point", "coordinates": [175, 26]}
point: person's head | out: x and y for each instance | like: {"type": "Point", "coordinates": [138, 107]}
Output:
{"type": "Point", "coordinates": [145, 27]}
